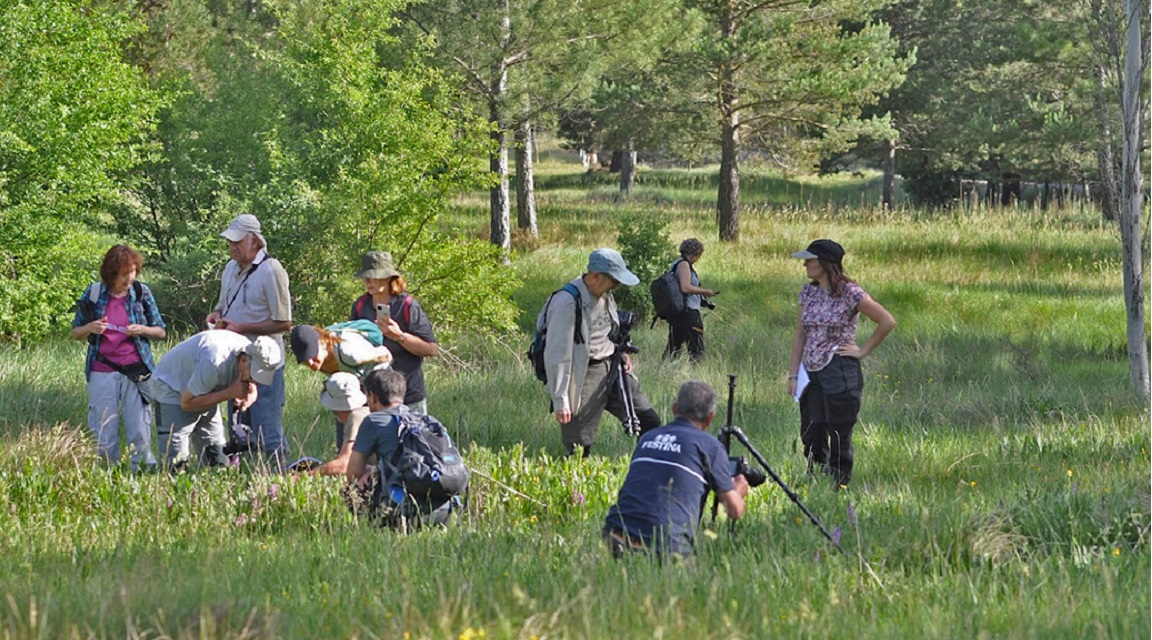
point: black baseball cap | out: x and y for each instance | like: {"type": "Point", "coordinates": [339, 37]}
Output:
{"type": "Point", "coordinates": [827, 250]}
{"type": "Point", "coordinates": [305, 341]}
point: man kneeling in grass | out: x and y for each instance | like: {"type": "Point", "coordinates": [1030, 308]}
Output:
{"type": "Point", "coordinates": [673, 469]}
{"type": "Point", "coordinates": [379, 438]}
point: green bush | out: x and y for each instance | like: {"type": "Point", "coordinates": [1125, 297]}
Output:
{"type": "Point", "coordinates": [73, 118]}
{"type": "Point", "coordinates": [46, 265]}
{"type": "Point", "coordinates": [644, 244]}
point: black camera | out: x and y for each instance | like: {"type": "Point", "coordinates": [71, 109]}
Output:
{"type": "Point", "coordinates": [621, 334]}
{"type": "Point", "coordinates": [234, 446]}
{"type": "Point", "coordinates": [755, 476]}
{"type": "Point", "coordinates": [708, 304]}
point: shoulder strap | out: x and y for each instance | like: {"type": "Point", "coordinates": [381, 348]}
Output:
{"type": "Point", "coordinates": [247, 275]}
{"type": "Point", "coordinates": [98, 287]}
{"type": "Point", "coordinates": [690, 268]}
{"type": "Point", "coordinates": [406, 311]}
{"type": "Point", "coordinates": [577, 338]}
{"type": "Point", "coordinates": [677, 264]}
{"type": "Point", "coordinates": [401, 427]}
{"type": "Point", "coordinates": [95, 290]}
{"type": "Point", "coordinates": [358, 310]}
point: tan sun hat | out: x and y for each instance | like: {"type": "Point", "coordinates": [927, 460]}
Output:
{"type": "Point", "coordinates": [342, 393]}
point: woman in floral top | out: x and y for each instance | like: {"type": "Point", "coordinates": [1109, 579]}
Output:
{"type": "Point", "coordinates": [825, 345]}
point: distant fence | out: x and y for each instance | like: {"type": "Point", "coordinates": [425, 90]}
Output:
{"type": "Point", "coordinates": [977, 193]}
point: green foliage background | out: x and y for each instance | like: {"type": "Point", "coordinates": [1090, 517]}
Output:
{"type": "Point", "coordinates": [73, 116]}
{"type": "Point", "coordinates": [310, 115]}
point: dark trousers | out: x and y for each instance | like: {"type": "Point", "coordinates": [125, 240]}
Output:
{"type": "Point", "coordinates": [828, 412]}
{"type": "Point", "coordinates": [686, 328]}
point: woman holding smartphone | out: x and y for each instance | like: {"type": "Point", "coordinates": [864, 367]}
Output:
{"type": "Point", "coordinates": [407, 331]}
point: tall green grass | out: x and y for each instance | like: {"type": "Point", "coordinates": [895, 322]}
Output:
{"type": "Point", "coordinates": [1002, 484]}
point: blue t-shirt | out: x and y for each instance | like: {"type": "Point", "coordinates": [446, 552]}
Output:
{"type": "Point", "coordinates": [672, 471]}
{"type": "Point", "coordinates": [380, 433]}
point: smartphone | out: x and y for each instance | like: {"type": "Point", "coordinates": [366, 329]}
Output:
{"type": "Point", "coordinates": [382, 310]}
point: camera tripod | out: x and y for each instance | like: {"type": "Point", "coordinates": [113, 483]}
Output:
{"type": "Point", "coordinates": [729, 431]}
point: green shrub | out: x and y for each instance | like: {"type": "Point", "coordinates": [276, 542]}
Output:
{"type": "Point", "coordinates": [46, 265]}
{"type": "Point", "coordinates": [644, 244]}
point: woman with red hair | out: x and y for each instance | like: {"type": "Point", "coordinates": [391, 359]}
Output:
{"type": "Point", "coordinates": [119, 318]}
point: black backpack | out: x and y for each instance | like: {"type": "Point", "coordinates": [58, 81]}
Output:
{"type": "Point", "coordinates": [667, 299]}
{"type": "Point", "coordinates": [536, 349]}
{"type": "Point", "coordinates": [426, 464]}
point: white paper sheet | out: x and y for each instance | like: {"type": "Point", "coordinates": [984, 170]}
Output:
{"type": "Point", "coordinates": [801, 382]}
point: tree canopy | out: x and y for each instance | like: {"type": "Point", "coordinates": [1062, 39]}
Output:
{"type": "Point", "coordinates": [74, 122]}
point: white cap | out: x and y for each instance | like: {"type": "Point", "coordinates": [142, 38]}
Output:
{"type": "Point", "coordinates": [264, 358]}
{"type": "Point", "coordinates": [241, 226]}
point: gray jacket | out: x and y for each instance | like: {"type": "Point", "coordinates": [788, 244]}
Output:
{"type": "Point", "coordinates": [566, 363]}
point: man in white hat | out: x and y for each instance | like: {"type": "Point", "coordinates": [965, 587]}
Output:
{"type": "Point", "coordinates": [586, 369]}
{"type": "Point", "coordinates": [195, 376]}
{"type": "Point", "coordinates": [254, 301]}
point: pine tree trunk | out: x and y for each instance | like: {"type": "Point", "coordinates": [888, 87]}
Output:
{"type": "Point", "coordinates": [617, 161]}
{"type": "Point", "coordinates": [1132, 194]}
{"type": "Point", "coordinates": [728, 197]}
{"type": "Point", "coordinates": [525, 180]}
{"type": "Point", "coordinates": [1106, 154]}
{"type": "Point", "coordinates": [498, 195]}
{"type": "Point", "coordinates": [888, 184]}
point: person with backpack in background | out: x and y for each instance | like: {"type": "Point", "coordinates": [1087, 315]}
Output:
{"type": "Point", "coordinates": [687, 326]}
{"type": "Point", "coordinates": [424, 493]}
{"type": "Point", "coordinates": [119, 318]}
{"type": "Point", "coordinates": [254, 301]}
{"type": "Point", "coordinates": [407, 331]}
{"type": "Point", "coordinates": [581, 360]}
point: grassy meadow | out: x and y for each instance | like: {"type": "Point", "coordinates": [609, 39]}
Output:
{"type": "Point", "coordinates": [1001, 486]}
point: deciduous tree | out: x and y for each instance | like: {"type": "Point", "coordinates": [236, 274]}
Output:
{"type": "Point", "coordinates": [314, 116]}
{"type": "Point", "coordinates": [74, 117]}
